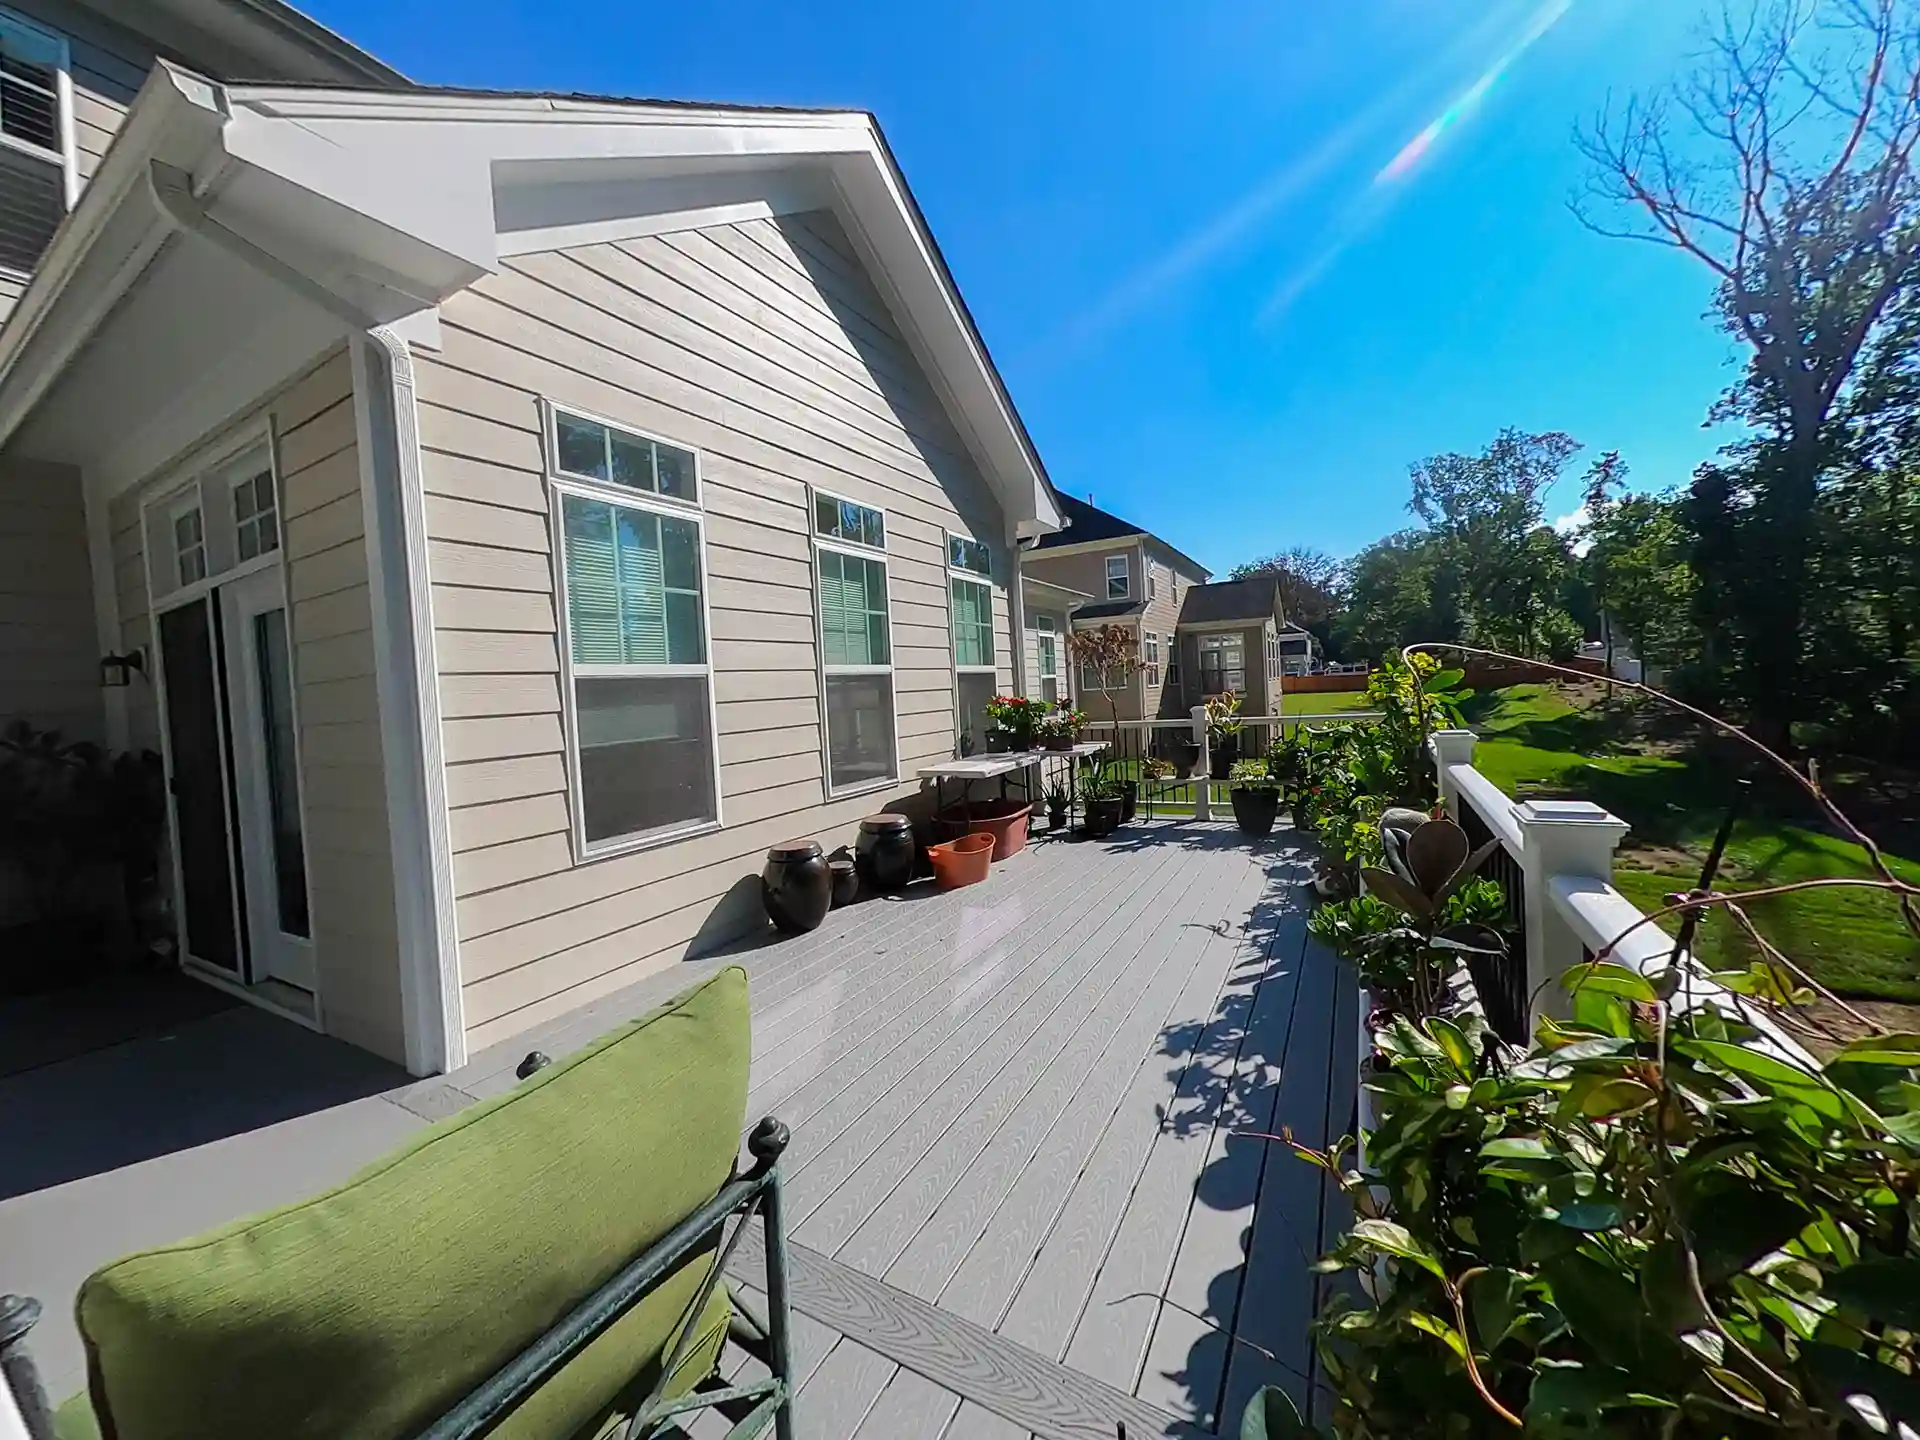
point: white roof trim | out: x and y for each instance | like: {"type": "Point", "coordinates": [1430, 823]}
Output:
{"type": "Point", "coordinates": [388, 200]}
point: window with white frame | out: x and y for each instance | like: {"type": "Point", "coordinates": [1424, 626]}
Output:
{"type": "Point", "coordinates": [256, 519]}
{"type": "Point", "coordinates": [856, 642]}
{"type": "Point", "coordinates": [37, 175]}
{"type": "Point", "coordinates": [1119, 577]}
{"type": "Point", "coordinates": [189, 541]}
{"type": "Point", "coordinates": [645, 765]}
{"type": "Point", "coordinates": [1153, 581]}
{"type": "Point", "coordinates": [970, 601]}
{"type": "Point", "coordinates": [1152, 663]}
{"type": "Point", "coordinates": [1046, 653]}
{"type": "Point", "coordinates": [1223, 664]}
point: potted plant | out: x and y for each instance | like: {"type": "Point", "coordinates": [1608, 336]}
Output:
{"type": "Point", "coordinates": [1013, 722]}
{"type": "Point", "coordinates": [1103, 802]}
{"type": "Point", "coordinates": [1059, 798]}
{"type": "Point", "coordinates": [1255, 793]}
{"type": "Point", "coordinates": [1223, 730]}
{"type": "Point", "coordinates": [1060, 727]}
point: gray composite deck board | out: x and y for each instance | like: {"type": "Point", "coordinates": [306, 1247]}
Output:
{"type": "Point", "coordinates": [1015, 1197]}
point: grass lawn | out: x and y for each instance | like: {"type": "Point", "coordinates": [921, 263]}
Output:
{"type": "Point", "coordinates": [1535, 741]}
{"type": "Point", "coordinates": [1330, 702]}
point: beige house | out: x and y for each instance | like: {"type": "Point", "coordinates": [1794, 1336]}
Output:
{"type": "Point", "coordinates": [514, 512]}
{"type": "Point", "coordinates": [1230, 637]}
{"type": "Point", "coordinates": [1130, 578]}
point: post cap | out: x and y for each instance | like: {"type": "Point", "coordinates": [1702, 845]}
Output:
{"type": "Point", "coordinates": [1567, 812]}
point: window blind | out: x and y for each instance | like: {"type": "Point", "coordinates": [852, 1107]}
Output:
{"type": "Point", "coordinates": [633, 586]}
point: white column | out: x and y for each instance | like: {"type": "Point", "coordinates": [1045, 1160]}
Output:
{"type": "Point", "coordinates": [1450, 748]}
{"type": "Point", "coordinates": [1202, 770]}
{"type": "Point", "coordinates": [1559, 837]}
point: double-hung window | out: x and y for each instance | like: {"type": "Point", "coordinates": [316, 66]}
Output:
{"type": "Point", "coordinates": [645, 766]}
{"type": "Point", "coordinates": [1152, 665]}
{"type": "Point", "coordinates": [970, 600]}
{"type": "Point", "coordinates": [1223, 664]}
{"type": "Point", "coordinates": [856, 643]}
{"type": "Point", "coordinates": [1119, 577]}
{"type": "Point", "coordinates": [1046, 655]}
{"type": "Point", "coordinates": [38, 180]}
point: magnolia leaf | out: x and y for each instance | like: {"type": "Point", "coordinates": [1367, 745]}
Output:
{"type": "Point", "coordinates": [1447, 1035]}
{"type": "Point", "coordinates": [1599, 1098]}
{"type": "Point", "coordinates": [1902, 1050]}
{"type": "Point", "coordinates": [1394, 1239]}
{"type": "Point", "coordinates": [1743, 1392]}
{"type": "Point", "coordinates": [1493, 1299]}
{"type": "Point", "coordinates": [1397, 892]}
{"type": "Point", "coordinates": [1881, 1289]}
{"type": "Point", "coordinates": [1439, 1329]}
{"type": "Point", "coordinates": [1435, 853]}
{"type": "Point", "coordinates": [1592, 1215]}
{"type": "Point", "coordinates": [1516, 1147]}
{"type": "Point", "coordinates": [1272, 1415]}
{"type": "Point", "coordinates": [1443, 680]}
{"type": "Point", "coordinates": [1606, 978]}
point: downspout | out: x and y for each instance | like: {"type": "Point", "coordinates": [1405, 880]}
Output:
{"type": "Point", "coordinates": [393, 499]}
{"type": "Point", "coordinates": [411, 737]}
{"type": "Point", "coordinates": [1017, 611]}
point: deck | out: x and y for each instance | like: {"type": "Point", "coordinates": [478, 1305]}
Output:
{"type": "Point", "coordinates": [1019, 1192]}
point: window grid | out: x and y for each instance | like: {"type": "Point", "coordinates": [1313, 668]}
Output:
{"type": "Point", "coordinates": [643, 752]}
{"type": "Point", "coordinates": [1119, 577]}
{"type": "Point", "coordinates": [972, 624]}
{"type": "Point", "coordinates": [256, 522]}
{"type": "Point", "coordinates": [37, 176]}
{"type": "Point", "coordinates": [189, 546]}
{"type": "Point", "coordinates": [852, 591]}
{"type": "Point", "coordinates": [1222, 664]}
{"type": "Point", "coordinates": [1152, 666]}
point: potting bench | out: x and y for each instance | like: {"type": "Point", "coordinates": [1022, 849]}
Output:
{"type": "Point", "coordinates": [1003, 766]}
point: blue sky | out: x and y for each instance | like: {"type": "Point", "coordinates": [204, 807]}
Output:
{"type": "Point", "coordinates": [1214, 312]}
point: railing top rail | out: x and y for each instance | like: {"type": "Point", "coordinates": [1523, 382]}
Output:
{"type": "Point", "coordinates": [1600, 916]}
{"type": "Point", "coordinates": [1329, 716]}
{"type": "Point", "coordinates": [1489, 801]}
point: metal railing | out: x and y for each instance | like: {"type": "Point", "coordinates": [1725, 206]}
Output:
{"type": "Point", "coordinates": [1131, 743]}
{"type": "Point", "coordinates": [1501, 980]}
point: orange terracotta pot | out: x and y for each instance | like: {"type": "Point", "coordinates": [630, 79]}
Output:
{"type": "Point", "coordinates": [1005, 820]}
{"type": "Point", "coordinates": [961, 862]}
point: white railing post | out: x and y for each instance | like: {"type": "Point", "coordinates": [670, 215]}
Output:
{"type": "Point", "coordinates": [1203, 767]}
{"type": "Point", "coordinates": [1559, 838]}
{"type": "Point", "coordinates": [1450, 748]}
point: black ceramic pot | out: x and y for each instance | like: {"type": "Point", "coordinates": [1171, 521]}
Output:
{"type": "Point", "coordinates": [999, 742]}
{"type": "Point", "coordinates": [1226, 750]}
{"type": "Point", "coordinates": [846, 882]}
{"type": "Point", "coordinates": [1103, 817]}
{"type": "Point", "coordinates": [1056, 820]}
{"type": "Point", "coordinates": [797, 886]}
{"type": "Point", "coordinates": [1129, 797]}
{"type": "Point", "coordinates": [884, 853]}
{"type": "Point", "coordinates": [1255, 810]}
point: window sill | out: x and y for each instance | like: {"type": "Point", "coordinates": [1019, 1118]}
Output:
{"type": "Point", "coordinates": [616, 848]}
{"type": "Point", "coordinates": [867, 787]}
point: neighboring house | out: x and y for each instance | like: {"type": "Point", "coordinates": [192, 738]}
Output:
{"type": "Point", "coordinates": [1229, 639]}
{"type": "Point", "coordinates": [1299, 650]}
{"type": "Point", "coordinates": [1136, 580]}
{"type": "Point", "coordinates": [524, 509]}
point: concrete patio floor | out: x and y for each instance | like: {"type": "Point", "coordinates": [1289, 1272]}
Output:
{"type": "Point", "coordinates": [1020, 1194]}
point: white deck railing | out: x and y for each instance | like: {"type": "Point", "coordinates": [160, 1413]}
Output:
{"type": "Point", "coordinates": [1570, 911]}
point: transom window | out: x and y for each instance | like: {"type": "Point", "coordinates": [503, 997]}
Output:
{"type": "Point", "coordinates": [856, 643]}
{"type": "Point", "coordinates": [843, 520]}
{"type": "Point", "coordinates": [1119, 577]}
{"type": "Point", "coordinates": [189, 546]}
{"type": "Point", "coordinates": [594, 450]}
{"type": "Point", "coordinates": [968, 554]}
{"type": "Point", "coordinates": [256, 522]}
{"type": "Point", "coordinates": [1223, 664]}
{"type": "Point", "coordinates": [644, 764]}
{"type": "Point", "coordinates": [36, 164]}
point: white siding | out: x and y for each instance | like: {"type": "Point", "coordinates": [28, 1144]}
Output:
{"type": "Point", "coordinates": [765, 347]}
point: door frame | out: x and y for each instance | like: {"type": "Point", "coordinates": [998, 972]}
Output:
{"type": "Point", "coordinates": [162, 493]}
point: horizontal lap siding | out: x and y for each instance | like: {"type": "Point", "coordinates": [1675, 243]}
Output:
{"type": "Point", "coordinates": [107, 65]}
{"type": "Point", "coordinates": [764, 347]}
{"type": "Point", "coordinates": [47, 640]}
{"type": "Point", "coordinates": [349, 854]}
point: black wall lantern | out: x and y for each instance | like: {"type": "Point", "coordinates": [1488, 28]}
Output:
{"type": "Point", "coordinates": [117, 671]}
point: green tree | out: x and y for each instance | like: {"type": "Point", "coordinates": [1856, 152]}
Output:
{"type": "Point", "coordinates": [1636, 561]}
{"type": "Point", "coordinates": [1399, 590]}
{"type": "Point", "coordinates": [1784, 165]}
{"type": "Point", "coordinates": [1487, 514]}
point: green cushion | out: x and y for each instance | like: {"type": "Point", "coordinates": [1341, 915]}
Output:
{"type": "Point", "coordinates": [371, 1309]}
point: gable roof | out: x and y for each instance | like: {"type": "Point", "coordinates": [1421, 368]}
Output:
{"type": "Point", "coordinates": [1088, 524]}
{"type": "Point", "coordinates": [1110, 610]}
{"type": "Point", "coordinates": [379, 204]}
{"type": "Point", "coordinates": [1255, 598]}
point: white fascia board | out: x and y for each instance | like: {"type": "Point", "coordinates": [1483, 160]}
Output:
{"type": "Point", "coordinates": [1113, 544]}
